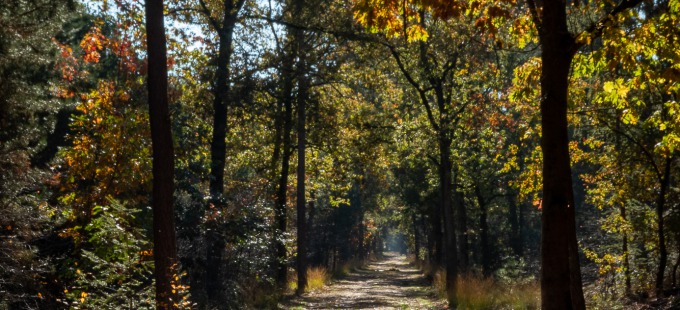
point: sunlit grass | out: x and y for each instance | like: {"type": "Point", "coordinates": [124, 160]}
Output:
{"type": "Point", "coordinates": [317, 278]}
{"type": "Point", "coordinates": [477, 292]}
{"type": "Point", "coordinates": [521, 296]}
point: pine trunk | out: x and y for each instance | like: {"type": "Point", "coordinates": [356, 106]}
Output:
{"type": "Point", "coordinates": [282, 187]}
{"type": "Point", "coordinates": [303, 86]}
{"type": "Point", "coordinates": [164, 247]}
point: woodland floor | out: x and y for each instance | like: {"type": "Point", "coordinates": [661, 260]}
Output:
{"type": "Point", "coordinates": [390, 283]}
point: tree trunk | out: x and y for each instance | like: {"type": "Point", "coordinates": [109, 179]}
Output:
{"type": "Point", "coordinates": [280, 210]}
{"type": "Point", "coordinates": [660, 205]}
{"type": "Point", "coordinates": [461, 212]}
{"type": "Point", "coordinates": [626, 256]}
{"type": "Point", "coordinates": [513, 218]}
{"type": "Point", "coordinates": [164, 246]}
{"type": "Point", "coordinates": [560, 271]}
{"type": "Point", "coordinates": [675, 268]}
{"type": "Point", "coordinates": [484, 233]}
{"type": "Point", "coordinates": [445, 182]}
{"type": "Point", "coordinates": [622, 210]}
{"type": "Point", "coordinates": [416, 238]}
{"type": "Point", "coordinates": [436, 235]}
{"type": "Point", "coordinates": [362, 233]}
{"type": "Point", "coordinates": [301, 201]}
{"type": "Point", "coordinates": [218, 145]}
{"type": "Point", "coordinates": [218, 151]}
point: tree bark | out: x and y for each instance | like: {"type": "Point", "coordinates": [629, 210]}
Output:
{"type": "Point", "coordinates": [513, 218]}
{"type": "Point", "coordinates": [164, 247]}
{"type": "Point", "coordinates": [560, 270]}
{"type": "Point", "coordinates": [660, 205]}
{"type": "Point", "coordinates": [674, 273]}
{"type": "Point", "coordinates": [416, 238]}
{"type": "Point", "coordinates": [303, 86]}
{"type": "Point", "coordinates": [445, 183]}
{"type": "Point", "coordinates": [626, 256]}
{"type": "Point", "coordinates": [218, 145]}
{"type": "Point", "coordinates": [483, 233]}
{"type": "Point", "coordinates": [282, 189]}
{"type": "Point", "coordinates": [436, 235]}
{"type": "Point", "coordinates": [461, 212]}
{"type": "Point", "coordinates": [218, 151]}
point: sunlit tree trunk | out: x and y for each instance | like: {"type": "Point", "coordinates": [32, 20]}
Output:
{"type": "Point", "coordinates": [165, 252]}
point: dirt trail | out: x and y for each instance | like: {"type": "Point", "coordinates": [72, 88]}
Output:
{"type": "Point", "coordinates": [390, 283]}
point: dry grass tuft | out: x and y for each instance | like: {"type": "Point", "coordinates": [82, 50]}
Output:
{"type": "Point", "coordinates": [521, 296]}
{"type": "Point", "coordinates": [477, 292]}
{"type": "Point", "coordinates": [317, 278]}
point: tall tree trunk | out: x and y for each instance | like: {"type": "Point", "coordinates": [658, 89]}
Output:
{"type": "Point", "coordinates": [218, 151]}
{"type": "Point", "coordinates": [463, 243]}
{"type": "Point", "coordinates": [164, 246]}
{"type": "Point", "coordinates": [362, 233]}
{"type": "Point", "coordinates": [513, 218]}
{"type": "Point", "coordinates": [660, 205]}
{"type": "Point", "coordinates": [436, 236]}
{"type": "Point", "coordinates": [218, 145]}
{"type": "Point", "coordinates": [483, 232]}
{"type": "Point", "coordinates": [445, 184]}
{"type": "Point", "coordinates": [675, 267]}
{"type": "Point", "coordinates": [416, 237]}
{"type": "Point", "coordinates": [280, 208]}
{"type": "Point", "coordinates": [622, 210]}
{"type": "Point", "coordinates": [560, 270]}
{"type": "Point", "coordinates": [626, 256]}
{"type": "Point", "coordinates": [303, 87]}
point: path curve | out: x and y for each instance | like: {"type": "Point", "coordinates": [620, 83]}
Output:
{"type": "Point", "coordinates": [390, 283]}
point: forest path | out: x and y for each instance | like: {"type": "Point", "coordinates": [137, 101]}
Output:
{"type": "Point", "coordinates": [390, 283]}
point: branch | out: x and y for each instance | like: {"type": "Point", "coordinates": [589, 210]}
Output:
{"type": "Point", "coordinates": [597, 28]}
{"type": "Point", "coordinates": [433, 159]}
{"type": "Point", "coordinates": [534, 14]}
{"type": "Point", "coordinates": [421, 91]}
{"type": "Point", "coordinates": [208, 15]}
{"type": "Point", "coordinates": [349, 35]}
{"type": "Point", "coordinates": [644, 150]}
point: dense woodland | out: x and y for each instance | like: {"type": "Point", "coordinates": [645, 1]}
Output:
{"type": "Point", "coordinates": [216, 154]}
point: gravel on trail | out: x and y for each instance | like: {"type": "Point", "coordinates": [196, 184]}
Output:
{"type": "Point", "coordinates": [390, 283]}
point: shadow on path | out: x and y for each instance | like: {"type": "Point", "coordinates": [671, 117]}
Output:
{"type": "Point", "coordinates": [390, 283]}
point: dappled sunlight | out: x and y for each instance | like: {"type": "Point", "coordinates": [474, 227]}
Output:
{"type": "Point", "coordinates": [384, 284]}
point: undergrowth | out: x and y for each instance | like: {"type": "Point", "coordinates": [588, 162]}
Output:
{"type": "Point", "coordinates": [477, 292]}
{"type": "Point", "coordinates": [317, 278]}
